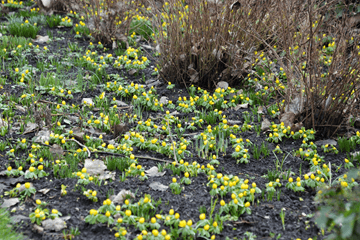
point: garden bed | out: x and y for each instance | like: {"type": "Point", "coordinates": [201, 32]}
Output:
{"type": "Point", "coordinates": [61, 112]}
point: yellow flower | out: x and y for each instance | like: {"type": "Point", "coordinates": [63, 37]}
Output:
{"type": "Point", "coordinates": [182, 224]}
{"type": "Point", "coordinates": [128, 213]}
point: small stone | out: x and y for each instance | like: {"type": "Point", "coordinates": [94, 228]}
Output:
{"type": "Point", "coordinates": [223, 85]}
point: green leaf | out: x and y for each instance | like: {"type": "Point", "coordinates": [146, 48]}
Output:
{"type": "Point", "coordinates": [322, 219]}
{"type": "Point", "coordinates": [348, 226]}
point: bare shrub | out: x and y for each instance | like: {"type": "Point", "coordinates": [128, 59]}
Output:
{"type": "Point", "coordinates": [319, 77]}
{"type": "Point", "coordinates": [107, 20]}
{"type": "Point", "coordinates": [201, 43]}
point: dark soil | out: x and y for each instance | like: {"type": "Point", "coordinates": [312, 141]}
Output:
{"type": "Point", "coordinates": [264, 221]}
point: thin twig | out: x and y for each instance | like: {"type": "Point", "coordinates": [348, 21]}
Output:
{"type": "Point", "coordinates": [44, 101]}
{"type": "Point", "coordinates": [88, 151]}
{"type": "Point", "coordinates": [136, 156]}
{"type": "Point", "coordinates": [151, 158]}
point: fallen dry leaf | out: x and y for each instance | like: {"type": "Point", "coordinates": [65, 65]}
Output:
{"type": "Point", "coordinates": [95, 167]}
{"type": "Point", "coordinates": [30, 127]}
{"type": "Point", "coordinates": [10, 202]}
{"type": "Point", "coordinates": [56, 151]}
{"type": "Point", "coordinates": [56, 224]}
{"type": "Point", "coordinates": [121, 196]}
{"type": "Point", "coordinates": [41, 39]}
{"type": "Point", "coordinates": [42, 136]}
{"type": "Point", "coordinates": [157, 186]}
{"type": "Point", "coordinates": [237, 107]}
{"type": "Point", "coordinates": [326, 141]}
{"type": "Point", "coordinates": [154, 172]}
{"type": "Point", "coordinates": [288, 119]}
{"type": "Point", "coordinates": [44, 190]}
{"type": "Point", "coordinates": [265, 124]}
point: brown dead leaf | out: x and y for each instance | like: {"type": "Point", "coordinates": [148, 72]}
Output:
{"type": "Point", "coordinates": [296, 127]}
{"type": "Point", "coordinates": [41, 39]}
{"type": "Point", "coordinates": [354, 20]}
{"type": "Point", "coordinates": [296, 105]}
{"type": "Point", "coordinates": [265, 124]}
{"type": "Point", "coordinates": [56, 151]}
{"type": "Point", "coordinates": [260, 110]}
{"type": "Point", "coordinates": [154, 172]}
{"type": "Point", "coordinates": [194, 75]}
{"type": "Point", "coordinates": [78, 134]}
{"type": "Point", "coordinates": [119, 129]}
{"type": "Point", "coordinates": [44, 190]}
{"type": "Point", "coordinates": [287, 118]}
{"type": "Point", "coordinates": [121, 196]}
{"type": "Point", "coordinates": [239, 106]}
{"type": "Point", "coordinates": [30, 127]}
{"type": "Point", "coordinates": [157, 186]}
